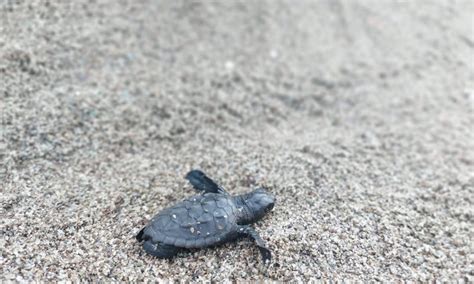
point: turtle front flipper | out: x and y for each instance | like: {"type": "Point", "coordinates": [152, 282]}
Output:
{"type": "Point", "coordinates": [250, 232]}
{"type": "Point", "coordinates": [203, 183]}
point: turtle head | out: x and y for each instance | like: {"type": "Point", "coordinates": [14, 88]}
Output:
{"type": "Point", "coordinates": [257, 203]}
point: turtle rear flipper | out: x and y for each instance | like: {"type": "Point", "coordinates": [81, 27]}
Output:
{"type": "Point", "coordinates": [160, 250]}
{"type": "Point", "coordinates": [139, 236]}
{"type": "Point", "coordinates": [203, 183]}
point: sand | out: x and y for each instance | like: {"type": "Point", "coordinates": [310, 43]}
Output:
{"type": "Point", "coordinates": [357, 115]}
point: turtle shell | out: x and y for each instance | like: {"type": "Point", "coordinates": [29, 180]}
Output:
{"type": "Point", "coordinates": [199, 221]}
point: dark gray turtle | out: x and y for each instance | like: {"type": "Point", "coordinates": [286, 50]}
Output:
{"type": "Point", "coordinates": [210, 218]}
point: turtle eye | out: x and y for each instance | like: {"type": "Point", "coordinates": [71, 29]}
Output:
{"type": "Point", "coordinates": [269, 207]}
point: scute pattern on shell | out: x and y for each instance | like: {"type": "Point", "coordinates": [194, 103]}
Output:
{"type": "Point", "coordinates": [198, 221]}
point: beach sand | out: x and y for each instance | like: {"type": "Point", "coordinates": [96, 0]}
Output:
{"type": "Point", "coordinates": [357, 115]}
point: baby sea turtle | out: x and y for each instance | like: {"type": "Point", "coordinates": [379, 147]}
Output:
{"type": "Point", "coordinates": [210, 218]}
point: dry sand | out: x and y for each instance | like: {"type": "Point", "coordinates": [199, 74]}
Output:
{"type": "Point", "coordinates": [357, 115]}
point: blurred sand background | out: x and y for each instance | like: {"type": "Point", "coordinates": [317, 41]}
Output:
{"type": "Point", "coordinates": [358, 115]}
